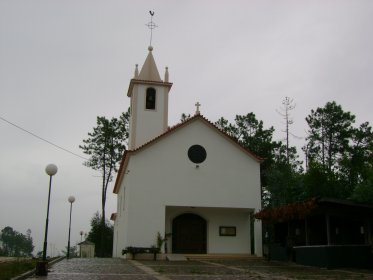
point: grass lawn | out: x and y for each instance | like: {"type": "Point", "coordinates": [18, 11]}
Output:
{"type": "Point", "coordinates": [13, 268]}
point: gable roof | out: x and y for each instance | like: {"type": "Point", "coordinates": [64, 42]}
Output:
{"type": "Point", "coordinates": [149, 74]}
{"type": "Point", "coordinates": [149, 70]}
{"type": "Point", "coordinates": [171, 130]}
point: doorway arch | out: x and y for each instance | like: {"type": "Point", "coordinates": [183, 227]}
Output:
{"type": "Point", "coordinates": [189, 234]}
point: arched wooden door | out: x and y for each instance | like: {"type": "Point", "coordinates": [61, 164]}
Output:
{"type": "Point", "coordinates": [189, 234]}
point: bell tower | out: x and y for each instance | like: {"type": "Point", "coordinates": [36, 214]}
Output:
{"type": "Point", "coordinates": [149, 103]}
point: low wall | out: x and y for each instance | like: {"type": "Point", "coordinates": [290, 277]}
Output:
{"type": "Point", "coordinates": [278, 252]}
{"type": "Point", "coordinates": [335, 256]}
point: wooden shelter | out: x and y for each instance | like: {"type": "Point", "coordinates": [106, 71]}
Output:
{"type": "Point", "coordinates": [321, 226]}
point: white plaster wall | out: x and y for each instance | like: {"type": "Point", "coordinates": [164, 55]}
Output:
{"type": "Point", "coordinates": [258, 238]}
{"type": "Point", "coordinates": [115, 237]}
{"type": "Point", "coordinates": [162, 175]}
{"type": "Point", "coordinates": [120, 236]}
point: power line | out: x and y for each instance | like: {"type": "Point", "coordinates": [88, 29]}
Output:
{"type": "Point", "coordinates": [40, 138]}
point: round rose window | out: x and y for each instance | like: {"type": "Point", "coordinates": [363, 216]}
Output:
{"type": "Point", "coordinates": [197, 154]}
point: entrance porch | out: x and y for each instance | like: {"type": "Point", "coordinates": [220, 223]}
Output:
{"type": "Point", "coordinates": [211, 230]}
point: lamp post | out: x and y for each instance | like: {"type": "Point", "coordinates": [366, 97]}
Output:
{"type": "Point", "coordinates": [51, 170]}
{"type": "Point", "coordinates": [80, 244]}
{"type": "Point", "coordinates": [71, 199]}
{"type": "Point", "coordinates": [42, 267]}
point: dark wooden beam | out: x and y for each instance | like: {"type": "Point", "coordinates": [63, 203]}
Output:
{"type": "Point", "coordinates": [328, 237]}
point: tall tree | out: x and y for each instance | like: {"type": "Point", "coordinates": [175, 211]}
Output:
{"type": "Point", "coordinates": [16, 244]}
{"type": "Point", "coordinates": [357, 162]}
{"type": "Point", "coordinates": [364, 191]}
{"type": "Point", "coordinates": [103, 246]}
{"type": "Point", "coordinates": [288, 105]}
{"type": "Point", "coordinates": [284, 177]}
{"type": "Point", "coordinates": [105, 146]}
{"type": "Point", "coordinates": [330, 129]}
{"type": "Point", "coordinates": [339, 154]}
{"type": "Point", "coordinates": [73, 252]}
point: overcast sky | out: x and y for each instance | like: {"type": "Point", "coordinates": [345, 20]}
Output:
{"type": "Point", "coordinates": [62, 63]}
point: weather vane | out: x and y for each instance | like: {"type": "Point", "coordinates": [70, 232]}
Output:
{"type": "Point", "coordinates": [151, 25]}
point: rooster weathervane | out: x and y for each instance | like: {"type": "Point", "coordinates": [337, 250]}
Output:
{"type": "Point", "coordinates": [151, 25]}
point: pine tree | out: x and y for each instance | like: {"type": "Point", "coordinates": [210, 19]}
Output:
{"type": "Point", "coordinates": [105, 146]}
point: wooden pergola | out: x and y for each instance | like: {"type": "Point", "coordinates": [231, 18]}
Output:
{"type": "Point", "coordinates": [320, 221]}
{"type": "Point", "coordinates": [323, 232]}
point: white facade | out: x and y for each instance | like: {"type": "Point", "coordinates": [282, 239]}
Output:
{"type": "Point", "coordinates": [159, 187]}
{"type": "Point", "coordinates": [160, 182]}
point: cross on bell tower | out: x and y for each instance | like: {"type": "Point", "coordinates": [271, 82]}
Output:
{"type": "Point", "coordinates": [151, 25]}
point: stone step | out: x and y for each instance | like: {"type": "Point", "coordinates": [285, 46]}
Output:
{"type": "Point", "coordinates": [221, 257]}
{"type": "Point", "coordinates": [175, 257]}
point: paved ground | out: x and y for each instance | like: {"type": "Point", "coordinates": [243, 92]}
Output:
{"type": "Point", "coordinates": [97, 269]}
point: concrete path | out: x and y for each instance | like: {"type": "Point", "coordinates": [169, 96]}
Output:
{"type": "Point", "coordinates": [113, 269]}
{"type": "Point", "coordinates": [98, 269]}
{"type": "Point", "coordinates": [255, 269]}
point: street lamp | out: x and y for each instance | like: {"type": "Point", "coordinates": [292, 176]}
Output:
{"type": "Point", "coordinates": [80, 244]}
{"type": "Point", "coordinates": [71, 199]}
{"type": "Point", "coordinates": [51, 170]}
{"type": "Point", "coordinates": [42, 267]}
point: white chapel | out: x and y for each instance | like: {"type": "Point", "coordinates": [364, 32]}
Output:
{"type": "Point", "coordinates": [190, 182]}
